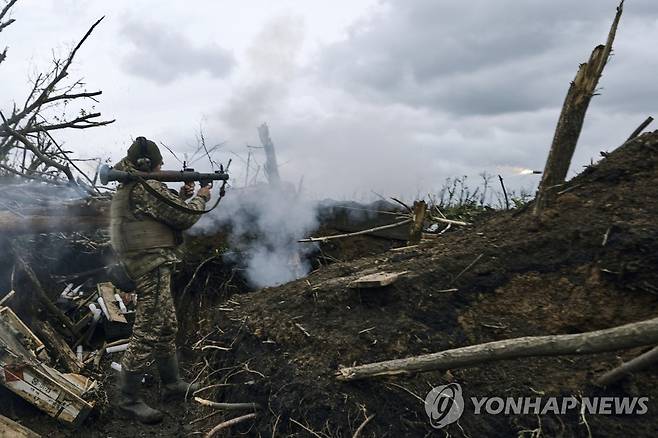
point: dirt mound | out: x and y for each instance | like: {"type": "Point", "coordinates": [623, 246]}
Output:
{"type": "Point", "coordinates": [587, 263]}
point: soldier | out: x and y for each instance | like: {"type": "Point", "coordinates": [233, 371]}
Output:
{"type": "Point", "coordinates": [145, 232]}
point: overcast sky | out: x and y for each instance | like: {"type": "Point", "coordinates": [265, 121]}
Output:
{"type": "Point", "coordinates": [360, 95]}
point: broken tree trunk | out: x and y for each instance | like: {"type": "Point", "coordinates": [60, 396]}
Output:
{"type": "Point", "coordinates": [640, 128]}
{"type": "Point", "coordinates": [626, 336]}
{"type": "Point", "coordinates": [51, 308]}
{"type": "Point", "coordinates": [572, 117]}
{"type": "Point", "coordinates": [416, 232]}
{"type": "Point", "coordinates": [639, 363]}
{"type": "Point", "coordinates": [271, 166]}
{"type": "Point", "coordinates": [57, 347]}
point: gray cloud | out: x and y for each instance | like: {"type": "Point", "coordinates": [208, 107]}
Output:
{"type": "Point", "coordinates": [270, 68]}
{"type": "Point", "coordinates": [163, 55]}
{"type": "Point", "coordinates": [480, 56]}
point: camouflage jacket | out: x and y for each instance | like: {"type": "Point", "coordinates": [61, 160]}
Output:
{"type": "Point", "coordinates": [144, 203]}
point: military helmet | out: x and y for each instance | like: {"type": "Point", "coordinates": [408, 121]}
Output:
{"type": "Point", "coordinates": [144, 154]}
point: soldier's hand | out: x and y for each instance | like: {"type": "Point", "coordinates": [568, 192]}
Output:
{"type": "Point", "coordinates": [204, 192]}
{"type": "Point", "coordinates": [187, 190]}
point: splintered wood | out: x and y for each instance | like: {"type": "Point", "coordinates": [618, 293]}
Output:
{"type": "Point", "coordinates": [23, 372]}
{"type": "Point", "coordinates": [11, 429]}
{"type": "Point", "coordinates": [380, 279]}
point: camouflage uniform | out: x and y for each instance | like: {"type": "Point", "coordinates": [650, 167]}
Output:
{"type": "Point", "coordinates": [154, 332]}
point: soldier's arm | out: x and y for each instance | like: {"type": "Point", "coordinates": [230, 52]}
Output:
{"type": "Point", "coordinates": [147, 203]}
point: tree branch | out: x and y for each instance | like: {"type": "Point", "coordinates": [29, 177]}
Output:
{"type": "Point", "coordinates": [28, 144]}
{"type": "Point", "coordinates": [60, 74]}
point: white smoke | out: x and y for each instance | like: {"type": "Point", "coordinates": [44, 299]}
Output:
{"type": "Point", "coordinates": [263, 223]}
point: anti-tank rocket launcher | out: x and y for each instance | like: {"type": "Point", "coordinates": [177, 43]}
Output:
{"type": "Point", "coordinates": [108, 174]}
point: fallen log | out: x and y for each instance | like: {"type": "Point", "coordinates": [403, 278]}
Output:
{"type": "Point", "coordinates": [57, 348]}
{"type": "Point", "coordinates": [357, 233]}
{"type": "Point", "coordinates": [626, 336]}
{"type": "Point", "coordinates": [639, 363]}
{"type": "Point", "coordinates": [43, 297]}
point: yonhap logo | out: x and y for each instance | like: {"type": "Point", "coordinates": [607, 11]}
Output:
{"type": "Point", "coordinates": [444, 405]}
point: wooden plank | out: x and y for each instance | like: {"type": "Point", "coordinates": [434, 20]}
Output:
{"type": "Point", "coordinates": [107, 292]}
{"type": "Point", "coordinates": [11, 429]}
{"type": "Point", "coordinates": [403, 248]}
{"type": "Point", "coordinates": [36, 345]}
{"type": "Point", "coordinates": [379, 279]}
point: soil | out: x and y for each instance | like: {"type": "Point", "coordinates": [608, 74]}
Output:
{"type": "Point", "coordinates": [537, 275]}
{"type": "Point", "coordinates": [588, 262]}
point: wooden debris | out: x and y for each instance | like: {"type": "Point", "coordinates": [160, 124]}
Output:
{"type": "Point", "coordinates": [21, 371]}
{"type": "Point", "coordinates": [99, 356]}
{"type": "Point", "coordinates": [58, 348]}
{"type": "Point", "coordinates": [226, 406]}
{"type": "Point", "coordinates": [502, 185]}
{"type": "Point", "coordinates": [10, 429]}
{"type": "Point", "coordinates": [83, 322]}
{"type": "Point", "coordinates": [640, 128]}
{"type": "Point", "coordinates": [357, 233]}
{"type": "Point", "coordinates": [639, 363]}
{"type": "Point", "coordinates": [466, 269]}
{"type": "Point", "coordinates": [115, 323]}
{"type": "Point", "coordinates": [29, 338]}
{"type": "Point", "coordinates": [229, 423]}
{"type": "Point", "coordinates": [7, 297]}
{"type": "Point", "coordinates": [418, 219]}
{"type": "Point", "coordinates": [303, 330]}
{"type": "Point", "coordinates": [403, 248]}
{"type": "Point", "coordinates": [599, 341]}
{"type": "Point", "coordinates": [43, 297]}
{"type": "Point", "coordinates": [379, 279]}
{"type": "Point", "coordinates": [358, 431]}
{"type": "Point", "coordinates": [107, 292]}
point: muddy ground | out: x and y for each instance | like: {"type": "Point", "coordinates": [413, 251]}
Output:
{"type": "Point", "coordinates": [533, 276]}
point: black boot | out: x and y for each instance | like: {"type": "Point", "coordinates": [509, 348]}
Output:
{"type": "Point", "coordinates": [131, 403]}
{"type": "Point", "coordinates": [173, 387]}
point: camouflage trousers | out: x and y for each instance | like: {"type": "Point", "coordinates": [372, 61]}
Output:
{"type": "Point", "coordinates": [155, 329]}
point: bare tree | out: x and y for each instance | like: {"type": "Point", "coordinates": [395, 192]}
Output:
{"type": "Point", "coordinates": [4, 22]}
{"type": "Point", "coordinates": [27, 145]}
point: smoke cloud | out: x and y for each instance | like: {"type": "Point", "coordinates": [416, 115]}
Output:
{"type": "Point", "coordinates": [263, 223]}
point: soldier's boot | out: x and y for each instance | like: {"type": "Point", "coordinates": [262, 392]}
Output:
{"type": "Point", "coordinates": [131, 403]}
{"type": "Point", "coordinates": [173, 387]}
